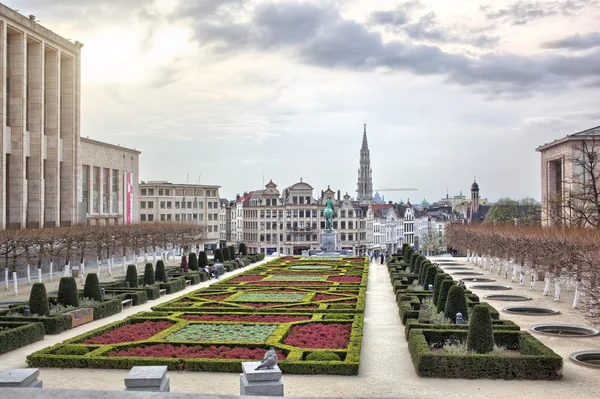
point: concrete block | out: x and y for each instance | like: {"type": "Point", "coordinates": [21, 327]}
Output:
{"type": "Point", "coordinates": [260, 388]}
{"type": "Point", "coordinates": [252, 375]}
{"type": "Point", "coordinates": [35, 384]}
{"type": "Point", "coordinates": [165, 386]}
{"type": "Point", "coordinates": [18, 377]}
{"type": "Point", "coordinates": [146, 376]}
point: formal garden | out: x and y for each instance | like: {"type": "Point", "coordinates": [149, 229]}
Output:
{"type": "Point", "coordinates": [310, 310]}
{"type": "Point", "coordinates": [452, 334]}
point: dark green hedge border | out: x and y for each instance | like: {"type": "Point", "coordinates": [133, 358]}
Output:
{"type": "Point", "coordinates": [19, 334]}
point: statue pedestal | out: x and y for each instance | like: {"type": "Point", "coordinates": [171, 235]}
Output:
{"type": "Point", "coordinates": [329, 241]}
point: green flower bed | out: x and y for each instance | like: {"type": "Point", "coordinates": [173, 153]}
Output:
{"type": "Point", "coordinates": [269, 296]}
{"type": "Point", "coordinates": [311, 267]}
{"type": "Point", "coordinates": [296, 278]}
{"type": "Point", "coordinates": [223, 333]}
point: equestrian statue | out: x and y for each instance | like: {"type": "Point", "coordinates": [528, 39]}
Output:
{"type": "Point", "coordinates": [329, 213]}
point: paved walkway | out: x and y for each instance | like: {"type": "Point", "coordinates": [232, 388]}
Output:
{"type": "Point", "coordinates": [386, 369]}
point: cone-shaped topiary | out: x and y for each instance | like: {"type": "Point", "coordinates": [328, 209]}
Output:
{"type": "Point", "coordinates": [38, 300]}
{"type": "Point", "coordinates": [424, 266]}
{"type": "Point", "coordinates": [437, 284]}
{"type": "Point", "coordinates": [160, 274]}
{"type": "Point", "coordinates": [441, 305]}
{"type": "Point", "coordinates": [430, 276]}
{"type": "Point", "coordinates": [149, 274]}
{"type": "Point", "coordinates": [413, 262]}
{"type": "Point", "coordinates": [226, 254]}
{"type": "Point", "coordinates": [480, 338]}
{"type": "Point", "coordinates": [202, 259]}
{"type": "Point", "coordinates": [131, 276]}
{"type": "Point", "coordinates": [417, 268]}
{"type": "Point", "coordinates": [232, 252]}
{"type": "Point", "coordinates": [456, 302]}
{"type": "Point", "coordinates": [218, 255]}
{"type": "Point", "coordinates": [243, 249]}
{"type": "Point", "coordinates": [91, 289]}
{"type": "Point", "coordinates": [193, 262]}
{"type": "Point", "coordinates": [184, 263]}
{"type": "Point", "coordinates": [67, 292]}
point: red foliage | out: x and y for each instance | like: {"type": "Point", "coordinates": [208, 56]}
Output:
{"type": "Point", "coordinates": [345, 279]}
{"type": "Point", "coordinates": [288, 258]}
{"type": "Point", "coordinates": [291, 282]}
{"type": "Point", "coordinates": [329, 336]}
{"type": "Point", "coordinates": [216, 297]}
{"type": "Point", "coordinates": [245, 279]}
{"type": "Point", "coordinates": [193, 352]}
{"type": "Point", "coordinates": [246, 318]}
{"type": "Point", "coordinates": [325, 297]}
{"type": "Point", "coordinates": [130, 332]}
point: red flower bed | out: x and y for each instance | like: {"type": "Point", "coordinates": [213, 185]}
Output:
{"type": "Point", "coordinates": [192, 352]}
{"type": "Point", "coordinates": [322, 336]}
{"type": "Point", "coordinates": [244, 279]}
{"type": "Point", "coordinates": [345, 279]}
{"type": "Point", "coordinates": [216, 297]}
{"type": "Point", "coordinates": [290, 283]}
{"type": "Point", "coordinates": [325, 297]}
{"type": "Point", "coordinates": [130, 332]}
{"type": "Point", "coordinates": [256, 305]}
{"type": "Point", "coordinates": [246, 318]}
{"type": "Point", "coordinates": [288, 258]}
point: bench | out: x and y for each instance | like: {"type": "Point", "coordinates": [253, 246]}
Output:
{"type": "Point", "coordinates": [188, 282]}
{"type": "Point", "coordinates": [126, 303]}
{"type": "Point", "coordinates": [162, 292]}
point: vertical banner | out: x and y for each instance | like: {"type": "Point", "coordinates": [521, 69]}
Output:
{"type": "Point", "coordinates": [128, 198]}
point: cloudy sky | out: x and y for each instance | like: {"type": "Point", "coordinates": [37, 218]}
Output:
{"type": "Point", "coordinates": [234, 90]}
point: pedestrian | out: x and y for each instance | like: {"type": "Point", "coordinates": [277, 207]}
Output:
{"type": "Point", "coordinates": [382, 257]}
{"type": "Point", "coordinates": [218, 269]}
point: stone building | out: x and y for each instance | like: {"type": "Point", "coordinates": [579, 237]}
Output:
{"type": "Point", "coordinates": [564, 177]}
{"type": "Point", "coordinates": [109, 183]}
{"type": "Point", "coordinates": [40, 108]}
{"type": "Point", "coordinates": [365, 173]}
{"type": "Point", "coordinates": [161, 201]}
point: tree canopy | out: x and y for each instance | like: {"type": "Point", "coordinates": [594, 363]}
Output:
{"type": "Point", "coordinates": [526, 211]}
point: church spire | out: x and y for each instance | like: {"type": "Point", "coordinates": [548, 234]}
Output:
{"type": "Point", "coordinates": [365, 144]}
{"type": "Point", "coordinates": [365, 181]}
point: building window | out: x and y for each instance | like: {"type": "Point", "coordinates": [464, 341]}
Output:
{"type": "Point", "coordinates": [342, 214]}
{"type": "Point", "coordinates": [289, 237]}
{"type": "Point", "coordinates": [210, 229]}
{"type": "Point", "coordinates": [150, 191]}
{"type": "Point", "coordinates": [201, 205]}
{"type": "Point", "coordinates": [143, 191]}
{"type": "Point", "coordinates": [167, 192]}
{"type": "Point", "coordinates": [343, 225]}
{"type": "Point", "coordinates": [351, 225]}
{"type": "Point", "coordinates": [189, 205]}
{"type": "Point", "coordinates": [350, 237]}
{"type": "Point", "coordinates": [143, 217]}
{"type": "Point", "coordinates": [195, 205]}
{"type": "Point", "coordinates": [169, 205]}
{"type": "Point", "coordinates": [160, 191]}
{"type": "Point", "coordinates": [349, 214]}
{"type": "Point", "coordinates": [162, 217]}
{"type": "Point", "coordinates": [295, 213]}
{"type": "Point", "coordinates": [162, 204]}
{"type": "Point", "coordinates": [195, 217]}
{"type": "Point", "coordinates": [151, 218]}
{"type": "Point", "coordinates": [177, 205]}
{"type": "Point", "coordinates": [280, 214]}
{"type": "Point", "coordinates": [177, 218]}
{"type": "Point", "coordinates": [115, 191]}
{"type": "Point", "coordinates": [308, 200]}
{"type": "Point", "coordinates": [289, 213]}
{"type": "Point", "coordinates": [169, 217]}
{"type": "Point", "coordinates": [201, 217]}
{"type": "Point", "coordinates": [210, 216]}
{"type": "Point", "coordinates": [143, 205]}
{"type": "Point", "coordinates": [96, 191]}
{"type": "Point", "coordinates": [85, 184]}
{"type": "Point", "coordinates": [295, 200]}
{"type": "Point", "coordinates": [343, 236]}
{"type": "Point", "coordinates": [150, 204]}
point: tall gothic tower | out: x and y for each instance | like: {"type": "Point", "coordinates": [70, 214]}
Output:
{"type": "Point", "coordinates": [365, 178]}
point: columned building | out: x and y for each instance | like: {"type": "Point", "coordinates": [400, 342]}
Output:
{"type": "Point", "coordinates": [365, 174]}
{"type": "Point", "coordinates": [40, 113]}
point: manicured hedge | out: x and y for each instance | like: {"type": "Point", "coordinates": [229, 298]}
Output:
{"type": "Point", "coordinates": [414, 323]}
{"type": "Point", "coordinates": [19, 334]}
{"type": "Point", "coordinates": [177, 284]}
{"type": "Point", "coordinates": [107, 308]}
{"type": "Point", "coordinates": [535, 362]}
{"type": "Point", "coordinates": [54, 324]}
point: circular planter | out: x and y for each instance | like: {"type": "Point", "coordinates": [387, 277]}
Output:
{"type": "Point", "coordinates": [457, 268]}
{"type": "Point", "coordinates": [494, 287]}
{"type": "Point", "coordinates": [508, 297]}
{"type": "Point", "coordinates": [531, 310]}
{"type": "Point", "coordinates": [587, 358]}
{"type": "Point", "coordinates": [565, 330]}
{"type": "Point", "coordinates": [466, 273]}
{"type": "Point", "coordinates": [478, 279]}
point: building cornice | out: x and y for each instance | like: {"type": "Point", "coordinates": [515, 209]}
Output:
{"type": "Point", "coordinates": [103, 144]}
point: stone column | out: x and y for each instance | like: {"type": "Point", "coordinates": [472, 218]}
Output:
{"type": "Point", "coordinates": [70, 143]}
{"type": "Point", "coordinates": [51, 131]}
{"type": "Point", "coordinates": [34, 123]}
{"type": "Point", "coordinates": [17, 187]}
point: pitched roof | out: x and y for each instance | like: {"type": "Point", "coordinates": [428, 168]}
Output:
{"type": "Point", "coordinates": [595, 131]}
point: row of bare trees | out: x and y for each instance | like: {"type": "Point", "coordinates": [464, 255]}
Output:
{"type": "Point", "coordinates": [564, 256]}
{"type": "Point", "coordinates": [60, 247]}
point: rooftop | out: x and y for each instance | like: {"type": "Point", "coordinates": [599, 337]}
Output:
{"type": "Point", "coordinates": [591, 134]}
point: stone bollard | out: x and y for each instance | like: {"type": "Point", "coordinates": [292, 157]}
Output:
{"type": "Point", "coordinates": [103, 291]}
{"type": "Point", "coordinates": [264, 382]}
{"type": "Point", "coordinates": [20, 378]}
{"type": "Point", "coordinates": [430, 287]}
{"type": "Point", "coordinates": [26, 311]}
{"type": "Point", "coordinates": [148, 378]}
{"type": "Point", "coordinates": [459, 319]}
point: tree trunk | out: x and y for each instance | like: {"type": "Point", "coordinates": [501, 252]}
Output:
{"type": "Point", "coordinates": [556, 289]}
{"type": "Point", "coordinates": [521, 276]}
{"type": "Point", "coordinates": [67, 267]}
{"type": "Point", "coordinates": [51, 271]}
{"type": "Point", "coordinates": [15, 284]}
{"type": "Point", "coordinates": [468, 256]}
{"type": "Point", "coordinates": [82, 271]}
{"type": "Point", "coordinates": [154, 256]}
{"type": "Point", "coordinates": [111, 260]}
{"type": "Point", "coordinates": [547, 279]}
{"type": "Point", "coordinates": [6, 278]}
{"type": "Point", "coordinates": [28, 274]}
{"type": "Point", "coordinates": [577, 296]}
{"type": "Point", "coordinates": [533, 279]}
{"type": "Point", "coordinates": [39, 274]}
{"type": "Point", "coordinates": [514, 273]}
{"type": "Point", "coordinates": [124, 263]}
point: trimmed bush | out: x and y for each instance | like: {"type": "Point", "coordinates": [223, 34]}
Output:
{"type": "Point", "coordinates": [232, 252]}
{"type": "Point", "coordinates": [72, 350]}
{"type": "Point", "coordinates": [441, 305]}
{"type": "Point", "coordinates": [149, 274]}
{"type": "Point", "coordinates": [91, 289]}
{"type": "Point", "coordinates": [184, 263]}
{"type": "Point", "coordinates": [243, 249]}
{"type": "Point", "coordinates": [131, 276]}
{"type": "Point", "coordinates": [193, 262]}
{"type": "Point", "coordinates": [456, 302]}
{"type": "Point", "coordinates": [160, 274]}
{"type": "Point", "coordinates": [226, 254]}
{"type": "Point", "coordinates": [202, 259]}
{"type": "Point", "coordinates": [430, 276]}
{"type": "Point", "coordinates": [323, 356]}
{"type": "Point", "coordinates": [437, 284]}
{"type": "Point", "coordinates": [177, 284]}
{"type": "Point", "coordinates": [14, 335]}
{"type": "Point", "coordinates": [38, 300]}
{"type": "Point", "coordinates": [67, 292]}
{"type": "Point", "coordinates": [426, 266]}
{"type": "Point", "coordinates": [218, 255]}
{"type": "Point", "coordinates": [107, 308]}
{"type": "Point", "coordinates": [480, 338]}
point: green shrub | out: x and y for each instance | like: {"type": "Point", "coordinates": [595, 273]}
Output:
{"type": "Point", "coordinates": [426, 266]}
{"type": "Point", "coordinates": [72, 350]}
{"type": "Point", "coordinates": [232, 252]}
{"type": "Point", "coordinates": [202, 259]}
{"type": "Point", "coordinates": [176, 284]}
{"type": "Point", "coordinates": [184, 263]}
{"type": "Point", "coordinates": [107, 308]}
{"type": "Point", "coordinates": [38, 300]}
{"type": "Point", "coordinates": [218, 255]}
{"type": "Point", "coordinates": [149, 274]}
{"type": "Point", "coordinates": [441, 304]}
{"type": "Point", "coordinates": [67, 292]}
{"type": "Point", "coordinates": [243, 249]}
{"type": "Point", "coordinates": [226, 254]}
{"type": "Point", "coordinates": [193, 262]}
{"type": "Point", "coordinates": [480, 338]}
{"type": "Point", "coordinates": [456, 302]}
{"type": "Point", "coordinates": [323, 356]}
{"type": "Point", "coordinates": [131, 276]}
{"type": "Point", "coordinates": [412, 261]}
{"type": "Point", "coordinates": [15, 335]}
{"type": "Point", "coordinates": [430, 276]}
{"type": "Point", "coordinates": [160, 274]}
{"type": "Point", "coordinates": [91, 289]}
{"type": "Point", "coordinates": [437, 284]}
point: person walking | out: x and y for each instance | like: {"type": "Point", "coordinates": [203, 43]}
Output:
{"type": "Point", "coordinates": [219, 269]}
{"type": "Point", "coordinates": [382, 257]}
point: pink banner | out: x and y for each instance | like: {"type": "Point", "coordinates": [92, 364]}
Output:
{"type": "Point", "coordinates": [128, 208]}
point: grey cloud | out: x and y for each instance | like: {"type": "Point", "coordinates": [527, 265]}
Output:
{"type": "Point", "coordinates": [523, 12]}
{"type": "Point", "coordinates": [575, 42]}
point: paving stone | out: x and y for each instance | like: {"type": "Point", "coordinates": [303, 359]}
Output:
{"type": "Point", "coordinates": [18, 377]}
{"type": "Point", "coordinates": [165, 386]}
{"type": "Point", "coordinates": [145, 376]}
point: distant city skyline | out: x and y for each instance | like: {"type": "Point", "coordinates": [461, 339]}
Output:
{"type": "Point", "coordinates": [234, 89]}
